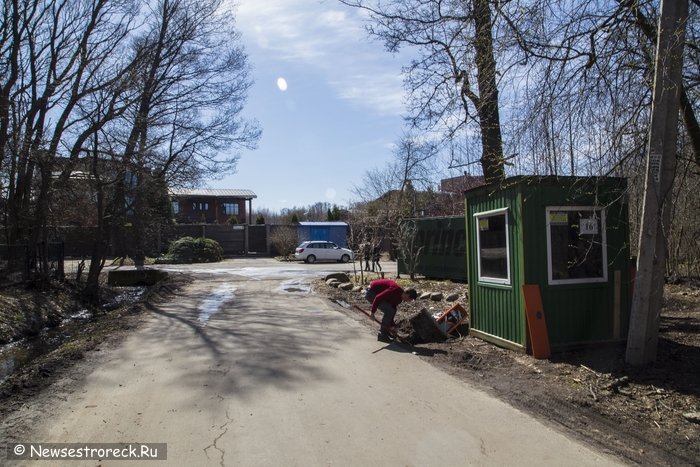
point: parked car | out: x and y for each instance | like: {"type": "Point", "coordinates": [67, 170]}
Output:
{"type": "Point", "coordinates": [317, 250]}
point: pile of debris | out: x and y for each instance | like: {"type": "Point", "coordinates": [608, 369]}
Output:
{"type": "Point", "coordinates": [421, 327]}
{"type": "Point", "coordinates": [438, 327]}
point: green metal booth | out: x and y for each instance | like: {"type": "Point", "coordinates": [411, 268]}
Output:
{"type": "Point", "coordinates": [570, 236]}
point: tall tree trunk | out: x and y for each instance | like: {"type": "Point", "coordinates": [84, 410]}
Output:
{"type": "Point", "coordinates": [489, 119]}
{"type": "Point", "coordinates": [92, 286]}
{"type": "Point", "coordinates": [11, 79]}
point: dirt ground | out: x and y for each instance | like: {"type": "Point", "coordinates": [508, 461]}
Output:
{"type": "Point", "coordinates": [649, 416]}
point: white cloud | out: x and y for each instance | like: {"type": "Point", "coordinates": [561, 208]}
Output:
{"type": "Point", "coordinates": [384, 90]}
{"type": "Point", "coordinates": [330, 40]}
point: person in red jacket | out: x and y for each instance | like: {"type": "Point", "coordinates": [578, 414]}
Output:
{"type": "Point", "coordinates": [386, 295]}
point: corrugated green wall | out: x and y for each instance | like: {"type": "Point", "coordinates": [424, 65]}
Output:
{"type": "Point", "coordinates": [579, 313]}
{"type": "Point", "coordinates": [495, 308]}
{"type": "Point", "coordinates": [575, 313]}
{"type": "Point", "coordinates": [444, 248]}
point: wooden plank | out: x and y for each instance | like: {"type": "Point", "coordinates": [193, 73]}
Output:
{"type": "Point", "coordinates": [534, 311]}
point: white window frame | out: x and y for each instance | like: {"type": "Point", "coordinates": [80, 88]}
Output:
{"type": "Point", "coordinates": [493, 213]}
{"type": "Point", "coordinates": [603, 238]}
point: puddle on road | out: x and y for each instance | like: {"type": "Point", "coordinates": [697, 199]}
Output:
{"type": "Point", "coordinates": [295, 286]}
{"type": "Point", "coordinates": [213, 304]}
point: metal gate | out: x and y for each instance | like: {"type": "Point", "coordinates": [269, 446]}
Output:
{"type": "Point", "coordinates": [257, 239]}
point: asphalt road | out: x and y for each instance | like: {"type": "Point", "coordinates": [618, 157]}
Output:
{"type": "Point", "coordinates": [248, 368]}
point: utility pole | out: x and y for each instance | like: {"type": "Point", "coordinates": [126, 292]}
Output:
{"type": "Point", "coordinates": [642, 340]}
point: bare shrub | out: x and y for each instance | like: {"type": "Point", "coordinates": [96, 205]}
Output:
{"type": "Point", "coordinates": [285, 240]}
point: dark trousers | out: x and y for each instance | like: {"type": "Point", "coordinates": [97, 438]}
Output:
{"type": "Point", "coordinates": [387, 309]}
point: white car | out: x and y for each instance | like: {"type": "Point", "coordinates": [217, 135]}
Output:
{"type": "Point", "coordinates": [319, 250]}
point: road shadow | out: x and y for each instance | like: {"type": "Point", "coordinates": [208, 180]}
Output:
{"type": "Point", "coordinates": [402, 347]}
{"type": "Point", "coordinates": [253, 334]}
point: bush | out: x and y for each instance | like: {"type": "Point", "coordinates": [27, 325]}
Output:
{"type": "Point", "coordinates": [195, 250]}
{"type": "Point", "coordinates": [285, 241]}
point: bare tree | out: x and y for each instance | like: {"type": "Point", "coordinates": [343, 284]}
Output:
{"type": "Point", "coordinates": [587, 70]}
{"type": "Point", "coordinates": [453, 83]}
{"type": "Point", "coordinates": [407, 246]}
{"type": "Point", "coordinates": [396, 191]}
{"type": "Point", "coordinates": [192, 84]}
{"type": "Point", "coordinates": [684, 237]}
{"type": "Point", "coordinates": [57, 51]}
{"type": "Point", "coordinates": [317, 212]}
{"type": "Point", "coordinates": [132, 107]}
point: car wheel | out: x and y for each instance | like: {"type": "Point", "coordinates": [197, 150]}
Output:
{"type": "Point", "coordinates": [345, 258]}
{"type": "Point", "coordinates": [311, 259]}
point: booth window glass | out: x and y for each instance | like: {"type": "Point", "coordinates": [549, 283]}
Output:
{"type": "Point", "coordinates": [493, 248]}
{"type": "Point", "coordinates": [576, 245]}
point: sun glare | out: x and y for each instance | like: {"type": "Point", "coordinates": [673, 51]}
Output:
{"type": "Point", "coordinates": [282, 84]}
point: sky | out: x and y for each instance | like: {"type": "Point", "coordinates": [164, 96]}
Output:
{"type": "Point", "coordinates": [329, 100]}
